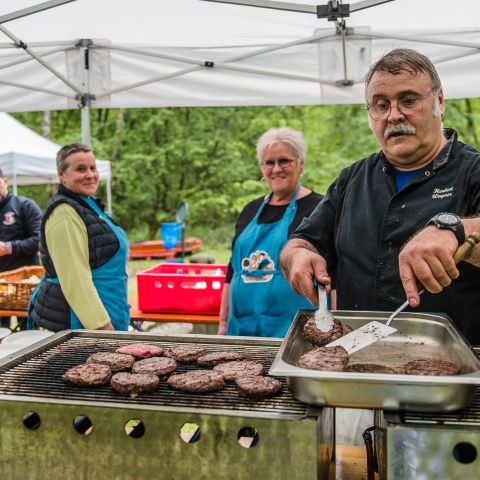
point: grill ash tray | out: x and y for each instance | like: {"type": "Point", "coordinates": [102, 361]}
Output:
{"type": "Point", "coordinates": [35, 374]}
{"type": "Point", "coordinates": [419, 336]}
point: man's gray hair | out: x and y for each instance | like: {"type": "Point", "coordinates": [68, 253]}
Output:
{"type": "Point", "coordinates": [286, 135]}
{"type": "Point", "coordinates": [68, 150]}
{"type": "Point", "coordinates": [403, 60]}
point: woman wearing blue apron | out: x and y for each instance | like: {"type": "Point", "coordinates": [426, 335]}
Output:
{"type": "Point", "coordinates": [84, 254]}
{"type": "Point", "coordinates": [257, 300]}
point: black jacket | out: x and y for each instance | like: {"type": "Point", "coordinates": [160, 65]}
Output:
{"type": "Point", "coordinates": [362, 223]}
{"type": "Point", "coordinates": [20, 220]}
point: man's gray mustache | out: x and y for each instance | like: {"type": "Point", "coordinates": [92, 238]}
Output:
{"type": "Point", "coordinates": [399, 128]}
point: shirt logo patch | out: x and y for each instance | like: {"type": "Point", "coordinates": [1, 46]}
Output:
{"type": "Point", "coordinates": [257, 267]}
{"type": "Point", "coordinates": [9, 218]}
{"type": "Point", "coordinates": [440, 193]}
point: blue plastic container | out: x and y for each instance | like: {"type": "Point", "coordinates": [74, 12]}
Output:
{"type": "Point", "coordinates": [171, 233]}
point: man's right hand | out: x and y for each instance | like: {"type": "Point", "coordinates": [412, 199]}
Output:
{"type": "Point", "coordinates": [301, 264]}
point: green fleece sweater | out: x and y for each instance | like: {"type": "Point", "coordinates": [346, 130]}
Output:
{"type": "Point", "coordinates": [67, 243]}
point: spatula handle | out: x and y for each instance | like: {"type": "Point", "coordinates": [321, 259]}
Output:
{"type": "Point", "coordinates": [464, 250]}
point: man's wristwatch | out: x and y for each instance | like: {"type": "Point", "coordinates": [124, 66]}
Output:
{"type": "Point", "coordinates": [449, 221]}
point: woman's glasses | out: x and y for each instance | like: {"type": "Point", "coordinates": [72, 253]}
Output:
{"type": "Point", "coordinates": [281, 162]}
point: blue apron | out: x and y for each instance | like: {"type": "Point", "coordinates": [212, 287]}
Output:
{"type": "Point", "coordinates": [262, 303]}
{"type": "Point", "coordinates": [110, 280]}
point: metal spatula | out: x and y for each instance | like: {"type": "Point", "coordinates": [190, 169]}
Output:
{"type": "Point", "coordinates": [374, 331]}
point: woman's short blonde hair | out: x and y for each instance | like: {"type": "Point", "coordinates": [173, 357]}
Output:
{"type": "Point", "coordinates": [282, 135]}
{"type": "Point", "coordinates": [68, 150]}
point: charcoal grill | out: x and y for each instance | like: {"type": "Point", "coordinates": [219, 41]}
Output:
{"type": "Point", "coordinates": [428, 446]}
{"type": "Point", "coordinates": [53, 430]}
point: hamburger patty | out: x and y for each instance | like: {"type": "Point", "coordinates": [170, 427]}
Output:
{"type": "Point", "coordinates": [211, 359]}
{"type": "Point", "coordinates": [197, 381]}
{"type": "Point", "coordinates": [141, 350]}
{"type": "Point", "coordinates": [134, 383]}
{"type": "Point", "coordinates": [159, 366]}
{"type": "Point", "coordinates": [186, 353]}
{"type": "Point", "coordinates": [116, 361]}
{"type": "Point", "coordinates": [325, 358]}
{"type": "Point", "coordinates": [257, 387]}
{"type": "Point", "coordinates": [232, 370]}
{"type": "Point", "coordinates": [315, 336]}
{"type": "Point", "coordinates": [88, 374]}
{"type": "Point", "coordinates": [374, 368]}
{"type": "Point", "coordinates": [424, 366]}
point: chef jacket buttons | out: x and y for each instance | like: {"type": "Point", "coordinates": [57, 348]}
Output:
{"type": "Point", "coordinates": [428, 173]}
{"type": "Point", "coordinates": [384, 169]}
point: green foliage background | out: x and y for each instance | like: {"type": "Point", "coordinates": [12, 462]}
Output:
{"type": "Point", "coordinates": [206, 156]}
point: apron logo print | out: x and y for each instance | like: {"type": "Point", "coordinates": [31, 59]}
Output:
{"type": "Point", "coordinates": [9, 218]}
{"type": "Point", "coordinates": [257, 267]}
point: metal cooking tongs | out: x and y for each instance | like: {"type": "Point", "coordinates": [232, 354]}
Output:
{"type": "Point", "coordinates": [374, 331]}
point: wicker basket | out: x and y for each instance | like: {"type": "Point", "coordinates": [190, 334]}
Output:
{"type": "Point", "coordinates": [14, 292]}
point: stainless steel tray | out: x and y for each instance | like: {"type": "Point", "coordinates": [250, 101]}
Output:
{"type": "Point", "coordinates": [419, 336]}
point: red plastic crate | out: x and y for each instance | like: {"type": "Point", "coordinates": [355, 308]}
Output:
{"type": "Point", "coordinates": [181, 287]}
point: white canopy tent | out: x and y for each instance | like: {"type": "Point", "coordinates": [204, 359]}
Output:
{"type": "Point", "coordinates": [151, 53]}
{"type": "Point", "coordinates": [27, 158]}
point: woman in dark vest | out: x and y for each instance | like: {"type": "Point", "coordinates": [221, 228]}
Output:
{"type": "Point", "coordinates": [84, 253]}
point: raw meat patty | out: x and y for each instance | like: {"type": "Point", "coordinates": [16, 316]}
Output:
{"type": "Point", "coordinates": [232, 370]}
{"type": "Point", "coordinates": [116, 361]}
{"type": "Point", "coordinates": [197, 381]}
{"type": "Point", "coordinates": [157, 365]}
{"type": "Point", "coordinates": [425, 366]}
{"type": "Point", "coordinates": [141, 350]}
{"type": "Point", "coordinates": [214, 358]}
{"type": "Point", "coordinates": [186, 353]}
{"type": "Point", "coordinates": [257, 387]}
{"type": "Point", "coordinates": [325, 358]}
{"type": "Point", "coordinates": [315, 336]}
{"type": "Point", "coordinates": [134, 383]}
{"type": "Point", "coordinates": [88, 374]}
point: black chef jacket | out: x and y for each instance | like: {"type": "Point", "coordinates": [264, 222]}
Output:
{"type": "Point", "coordinates": [361, 224]}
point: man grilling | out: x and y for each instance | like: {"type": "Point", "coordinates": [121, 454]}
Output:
{"type": "Point", "coordinates": [391, 222]}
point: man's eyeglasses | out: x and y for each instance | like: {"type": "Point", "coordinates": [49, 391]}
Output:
{"type": "Point", "coordinates": [281, 162]}
{"type": "Point", "coordinates": [407, 104]}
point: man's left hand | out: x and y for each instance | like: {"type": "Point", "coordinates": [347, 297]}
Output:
{"type": "Point", "coordinates": [427, 259]}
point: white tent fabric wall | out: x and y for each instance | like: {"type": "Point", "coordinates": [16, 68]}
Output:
{"type": "Point", "coordinates": [152, 53]}
{"type": "Point", "coordinates": [27, 158]}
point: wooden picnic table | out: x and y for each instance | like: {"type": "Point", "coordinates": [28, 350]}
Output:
{"type": "Point", "coordinates": [137, 315]}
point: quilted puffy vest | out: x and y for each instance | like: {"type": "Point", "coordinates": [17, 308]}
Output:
{"type": "Point", "coordinates": [50, 308]}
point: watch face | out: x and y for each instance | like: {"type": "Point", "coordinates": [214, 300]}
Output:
{"type": "Point", "coordinates": [448, 219]}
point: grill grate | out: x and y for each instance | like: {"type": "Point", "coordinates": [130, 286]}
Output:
{"type": "Point", "coordinates": [40, 377]}
{"type": "Point", "coordinates": [464, 418]}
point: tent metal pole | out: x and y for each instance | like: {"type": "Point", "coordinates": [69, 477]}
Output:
{"type": "Point", "coordinates": [20, 44]}
{"type": "Point", "coordinates": [109, 196]}
{"type": "Point", "coordinates": [85, 114]}
{"type": "Point", "coordinates": [40, 7]}
{"type": "Point", "coordinates": [222, 64]}
{"type": "Point", "coordinates": [14, 171]}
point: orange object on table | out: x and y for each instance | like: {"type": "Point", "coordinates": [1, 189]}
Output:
{"type": "Point", "coordinates": [155, 249]}
{"type": "Point", "coordinates": [136, 314]}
